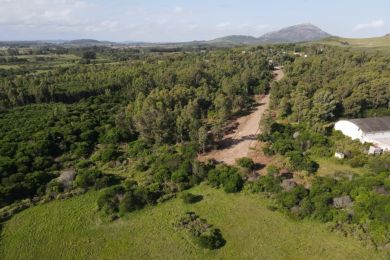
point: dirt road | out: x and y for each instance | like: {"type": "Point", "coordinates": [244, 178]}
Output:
{"type": "Point", "coordinates": [243, 140]}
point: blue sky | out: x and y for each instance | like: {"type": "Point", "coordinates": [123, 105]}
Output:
{"type": "Point", "coordinates": [185, 20]}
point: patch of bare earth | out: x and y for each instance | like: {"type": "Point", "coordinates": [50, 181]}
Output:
{"type": "Point", "coordinates": [242, 141]}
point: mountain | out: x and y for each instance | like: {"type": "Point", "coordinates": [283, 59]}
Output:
{"type": "Point", "coordinates": [292, 34]}
{"type": "Point", "coordinates": [88, 42]}
{"type": "Point", "coordinates": [236, 39]}
{"type": "Point", "coordinates": [296, 33]}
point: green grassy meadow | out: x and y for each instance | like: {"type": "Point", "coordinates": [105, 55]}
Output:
{"type": "Point", "coordinates": [330, 166]}
{"type": "Point", "coordinates": [71, 229]}
{"type": "Point", "coordinates": [375, 43]}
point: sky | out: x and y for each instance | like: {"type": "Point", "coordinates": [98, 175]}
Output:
{"type": "Point", "coordinates": [185, 20]}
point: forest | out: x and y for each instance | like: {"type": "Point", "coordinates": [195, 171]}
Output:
{"type": "Point", "coordinates": [327, 85]}
{"type": "Point", "coordinates": [87, 114]}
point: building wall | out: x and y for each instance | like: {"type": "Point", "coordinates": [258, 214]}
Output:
{"type": "Point", "coordinates": [381, 139]}
{"type": "Point", "coordinates": [350, 129]}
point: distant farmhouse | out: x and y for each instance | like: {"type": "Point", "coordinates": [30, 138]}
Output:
{"type": "Point", "coordinates": [375, 130]}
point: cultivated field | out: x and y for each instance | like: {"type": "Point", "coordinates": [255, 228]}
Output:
{"type": "Point", "coordinates": [71, 230]}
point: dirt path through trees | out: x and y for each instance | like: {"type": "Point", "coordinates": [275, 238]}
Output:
{"type": "Point", "coordinates": [243, 139]}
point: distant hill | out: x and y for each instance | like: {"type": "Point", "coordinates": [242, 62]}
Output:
{"type": "Point", "coordinates": [236, 39]}
{"type": "Point", "coordinates": [84, 41]}
{"type": "Point", "coordinates": [88, 42]}
{"type": "Point", "coordinates": [293, 34]}
{"type": "Point", "coordinates": [296, 33]}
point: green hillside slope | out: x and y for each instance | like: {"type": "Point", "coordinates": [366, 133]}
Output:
{"type": "Point", "coordinates": [71, 230]}
{"type": "Point", "coordinates": [376, 43]}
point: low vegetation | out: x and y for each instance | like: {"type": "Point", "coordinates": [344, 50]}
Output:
{"type": "Point", "coordinates": [249, 228]}
{"type": "Point", "coordinates": [125, 138]}
{"type": "Point", "coordinates": [319, 89]}
{"type": "Point", "coordinates": [200, 231]}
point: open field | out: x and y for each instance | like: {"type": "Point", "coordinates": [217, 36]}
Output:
{"type": "Point", "coordinates": [330, 166]}
{"type": "Point", "coordinates": [376, 43]}
{"type": "Point", "coordinates": [71, 230]}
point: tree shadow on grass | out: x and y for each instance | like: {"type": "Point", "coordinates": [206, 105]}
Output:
{"type": "Point", "coordinates": [197, 198]}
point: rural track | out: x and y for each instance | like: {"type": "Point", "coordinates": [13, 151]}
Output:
{"type": "Point", "coordinates": [243, 139]}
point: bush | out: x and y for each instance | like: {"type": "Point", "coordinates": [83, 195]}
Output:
{"type": "Point", "coordinates": [190, 198]}
{"type": "Point", "coordinates": [358, 161]}
{"type": "Point", "coordinates": [83, 164]}
{"type": "Point", "coordinates": [267, 184]}
{"type": "Point", "coordinates": [302, 162]}
{"type": "Point", "coordinates": [272, 170]}
{"type": "Point", "coordinates": [180, 176]}
{"type": "Point", "coordinates": [110, 153]}
{"type": "Point", "coordinates": [233, 183]}
{"type": "Point", "coordinates": [89, 55]}
{"type": "Point", "coordinates": [246, 162]}
{"type": "Point", "coordinates": [212, 239]}
{"type": "Point", "coordinates": [202, 233]}
{"type": "Point", "coordinates": [94, 178]}
{"type": "Point", "coordinates": [292, 198]}
{"type": "Point", "coordinates": [130, 202]}
{"type": "Point", "coordinates": [226, 176]}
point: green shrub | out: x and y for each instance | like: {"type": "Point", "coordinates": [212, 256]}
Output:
{"type": "Point", "coordinates": [272, 170]}
{"type": "Point", "coordinates": [190, 198]}
{"type": "Point", "coordinates": [130, 202]}
{"type": "Point", "coordinates": [358, 161]}
{"type": "Point", "coordinates": [200, 231]}
{"type": "Point", "coordinates": [302, 162]}
{"type": "Point", "coordinates": [83, 164]}
{"type": "Point", "coordinates": [246, 162]}
{"type": "Point", "coordinates": [180, 176]}
{"type": "Point", "coordinates": [211, 239]}
{"type": "Point", "coordinates": [110, 153]}
{"type": "Point", "coordinates": [267, 184]}
{"type": "Point", "coordinates": [226, 176]}
{"type": "Point", "coordinates": [94, 178]}
{"type": "Point", "coordinates": [232, 183]}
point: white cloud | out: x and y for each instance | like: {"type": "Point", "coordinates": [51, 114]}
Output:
{"type": "Point", "coordinates": [104, 26]}
{"type": "Point", "coordinates": [40, 12]}
{"type": "Point", "coordinates": [372, 25]}
{"type": "Point", "coordinates": [178, 10]}
{"type": "Point", "coordinates": [223, 25]}
{"type": "Point", "coordinates": [53, 16]}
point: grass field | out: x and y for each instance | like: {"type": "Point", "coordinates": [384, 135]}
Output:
{"type": "Point", "coordinates": [330, 166]}
{"type": "Point", "coordinates": [71, 230]}
{"type": "Point", "coordinates": [376, 43]}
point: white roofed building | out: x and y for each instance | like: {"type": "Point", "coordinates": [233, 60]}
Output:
{"type": "Point", "coordinates": [375, 130]}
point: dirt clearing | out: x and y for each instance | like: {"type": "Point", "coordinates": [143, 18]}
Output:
{"type": "Point", "coordinates": [242, 142]}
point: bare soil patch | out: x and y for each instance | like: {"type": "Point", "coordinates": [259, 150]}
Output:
{"type": "Point", "coordinates": [241, 138]}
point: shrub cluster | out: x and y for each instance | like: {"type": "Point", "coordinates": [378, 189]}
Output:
{"type": "Point", "coordinates": [190, 198]}
{"type": "Point", "coordinates": [88, 178]}
{"type": "Point", "coordinates": [200, 231]}
{"type": "Point", "coordinates": [362, 202]}
{"type": "Point", "coordinates": [118, 200]}
{"type": "Point", "coordinates": [226, 176]}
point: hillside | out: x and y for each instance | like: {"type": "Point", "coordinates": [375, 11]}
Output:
{"type": "Point", "coordinates": [236, 39]}
{"type": "Point", "coordinates": [297, 33]}
{"type": "Point", "coordinates": [370, 43]}
{"type": "Point", "coordinates": [292, 34]}
{"type": "Point", "coordinates": [71, 229]}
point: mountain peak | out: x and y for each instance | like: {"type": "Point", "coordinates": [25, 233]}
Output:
{"type": "Point", "coordinates": [236, 39]}
{"type": "Point", "coordinates": [296, 33]}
